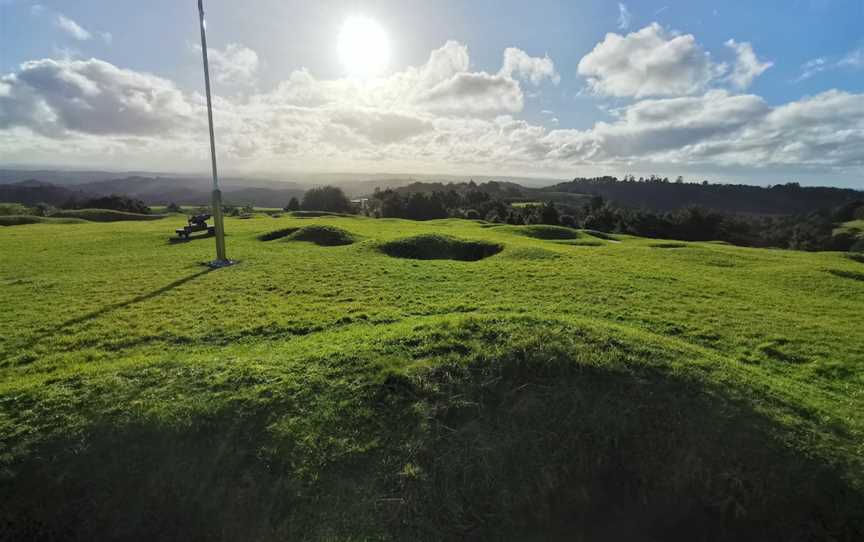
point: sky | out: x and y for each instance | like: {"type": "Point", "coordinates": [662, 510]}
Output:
{"type": "Point", "coordinates": [737, 91]}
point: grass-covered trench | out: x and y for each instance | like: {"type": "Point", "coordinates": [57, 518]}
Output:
{"type": "Point", "coordinates": [396, 380]}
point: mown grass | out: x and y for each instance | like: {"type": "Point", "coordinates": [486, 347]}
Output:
{"type": "Point", "coordinates": [607, 392]}
{"type": "Point", "coordinates": [21, 220]}
{"type": "Point", "coordinates": [103, 215]}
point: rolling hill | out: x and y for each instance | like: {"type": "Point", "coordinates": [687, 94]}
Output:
{"type": "Point", "coordinates": [362, 379]}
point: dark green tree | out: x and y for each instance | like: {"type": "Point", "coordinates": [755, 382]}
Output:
{"type": "Point", "coordinates": [326, 198]}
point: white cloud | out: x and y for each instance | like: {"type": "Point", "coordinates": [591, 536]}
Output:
{"type": "Point", "coordinates": [474, 93]}
{"type": "Point", "coordinates": [624, 17]}
{"type": "Point", "coordinates": [747, 66]}
{"type": "Point", "coordinates": [439, 116]}
{"type": "Point", "coordinates": [234, 65]}
{"type": "Point", "coordinates": [55, 97]}
{"type": "Point", "coordinates": [650, 62]}
{"type": "Point", "coordinates": [72, 28]}
{"type": "Point", "coordinates": [721, 129]}
{"type": "Point", "coordinates": [517, 63]}
{"type": "Point", "coordinates": [444, 85]}
{"type": "Point", "coordinates": [812, 67]}
{"type": "Point", "coordinates": [851, 61]}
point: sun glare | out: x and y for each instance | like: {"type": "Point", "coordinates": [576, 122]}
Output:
{"type": "Point", "coordinates": [363, 47]}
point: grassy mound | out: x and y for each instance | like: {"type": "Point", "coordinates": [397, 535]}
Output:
{"type": "Point", "coordinates": [103, 215]}
{"type": "Point", "coordinates": [322, 235]}
{"type": "Point", "coordinates": [583, 243]}
{"type": "Point", "coordinates": [540, 231]}
{"type": "Point", "coordinates": [483, 429]}
{"type": "Point", "coordinates": [530, 253]}
{"type": "Point", "coordinates": [601, 235]}
{"type": "Point", "coordinates": [315, 214]}
{"type": "Point", "coordinates": [277, 234]}
{"type": "Point", "coordinates": [847, 274]}
{"type": "Point", "coordinates": [21, 220]}
{"type": "Point", "coordinates": [616, 393]}
{"type": "Point", "coordinates": [668, 245]}
{"type": "Point", "coordinates": [440, 247]}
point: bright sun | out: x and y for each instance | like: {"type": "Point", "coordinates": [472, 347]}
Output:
{"type": "Point", "coordinates": [363, 47]}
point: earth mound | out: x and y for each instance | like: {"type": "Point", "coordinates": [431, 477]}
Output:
{"type": "Point", "coordinates": [440, 247]}
{"type": "Point", "coordinates": [325, 236]}
{"type": "Point", "coordinates": [668, 245]}
{"type": "Point", "coordinates": [541, 231]}
{"type": "Point", "coordinates": [277, 234]}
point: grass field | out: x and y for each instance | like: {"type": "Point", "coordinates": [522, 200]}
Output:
{"type": "Point", "coordinates": [347, 383]}
{"type": "Point", "coordinates": [854, 226]}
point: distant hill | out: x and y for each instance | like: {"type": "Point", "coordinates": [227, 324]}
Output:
{"type": "Point", "coordinates": [192, 191]}
{"type": "Point", "coordinates": [502, 190]}
{"type": "Point", "coordinates": [731, 198]}
{"type": "Point", "coordinates": [32, 191]}
{"type": "Point", "coordinates": [55, 188]}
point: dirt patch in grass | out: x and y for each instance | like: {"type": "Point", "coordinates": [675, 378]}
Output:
{"type": "Point", "coordinates": [440, 247]}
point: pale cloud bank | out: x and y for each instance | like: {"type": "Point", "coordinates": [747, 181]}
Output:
{"type": "Point", "coordinates": [440, 115]}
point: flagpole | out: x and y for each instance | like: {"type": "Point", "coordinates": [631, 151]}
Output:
{"type": "Point", "coordinates": [217, 193]}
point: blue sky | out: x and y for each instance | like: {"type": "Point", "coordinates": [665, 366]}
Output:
{"type": "Point", "coordinates": [587, 87]}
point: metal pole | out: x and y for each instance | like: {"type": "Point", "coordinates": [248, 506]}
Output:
{"type": "Point", "coordinates": [217, 193]}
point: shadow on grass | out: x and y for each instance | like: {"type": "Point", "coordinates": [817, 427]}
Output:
{"type": "Point", "coordinates": [92, 315]}
{"type": "Point", "coordinates": [510, 432]}
{"type": "Point", "coordinates": [184, 240]}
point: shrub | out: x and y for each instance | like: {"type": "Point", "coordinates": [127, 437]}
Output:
{"type": "Point", "coordinates": [293, 205]}
{"type": "Point", "coordinates": [15, 209]}
{"type": "Point", "coordinates": [112, 202]}
{"type": "Point", "coordinates": [471, 214]}
{"type": "Point", "coordinates": [326, 198]}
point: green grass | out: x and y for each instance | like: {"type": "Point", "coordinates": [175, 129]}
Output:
{"type": "Point", "coordinates": [540, 231]}
{"type": "Point", "coordinates": [103, 215]}
{"type": "Point", "coordinates": [856, 227]}
{"type": "Point", "coordinates": [21, 220]}
{"type": "Point", "coordinates": [609, 390]}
